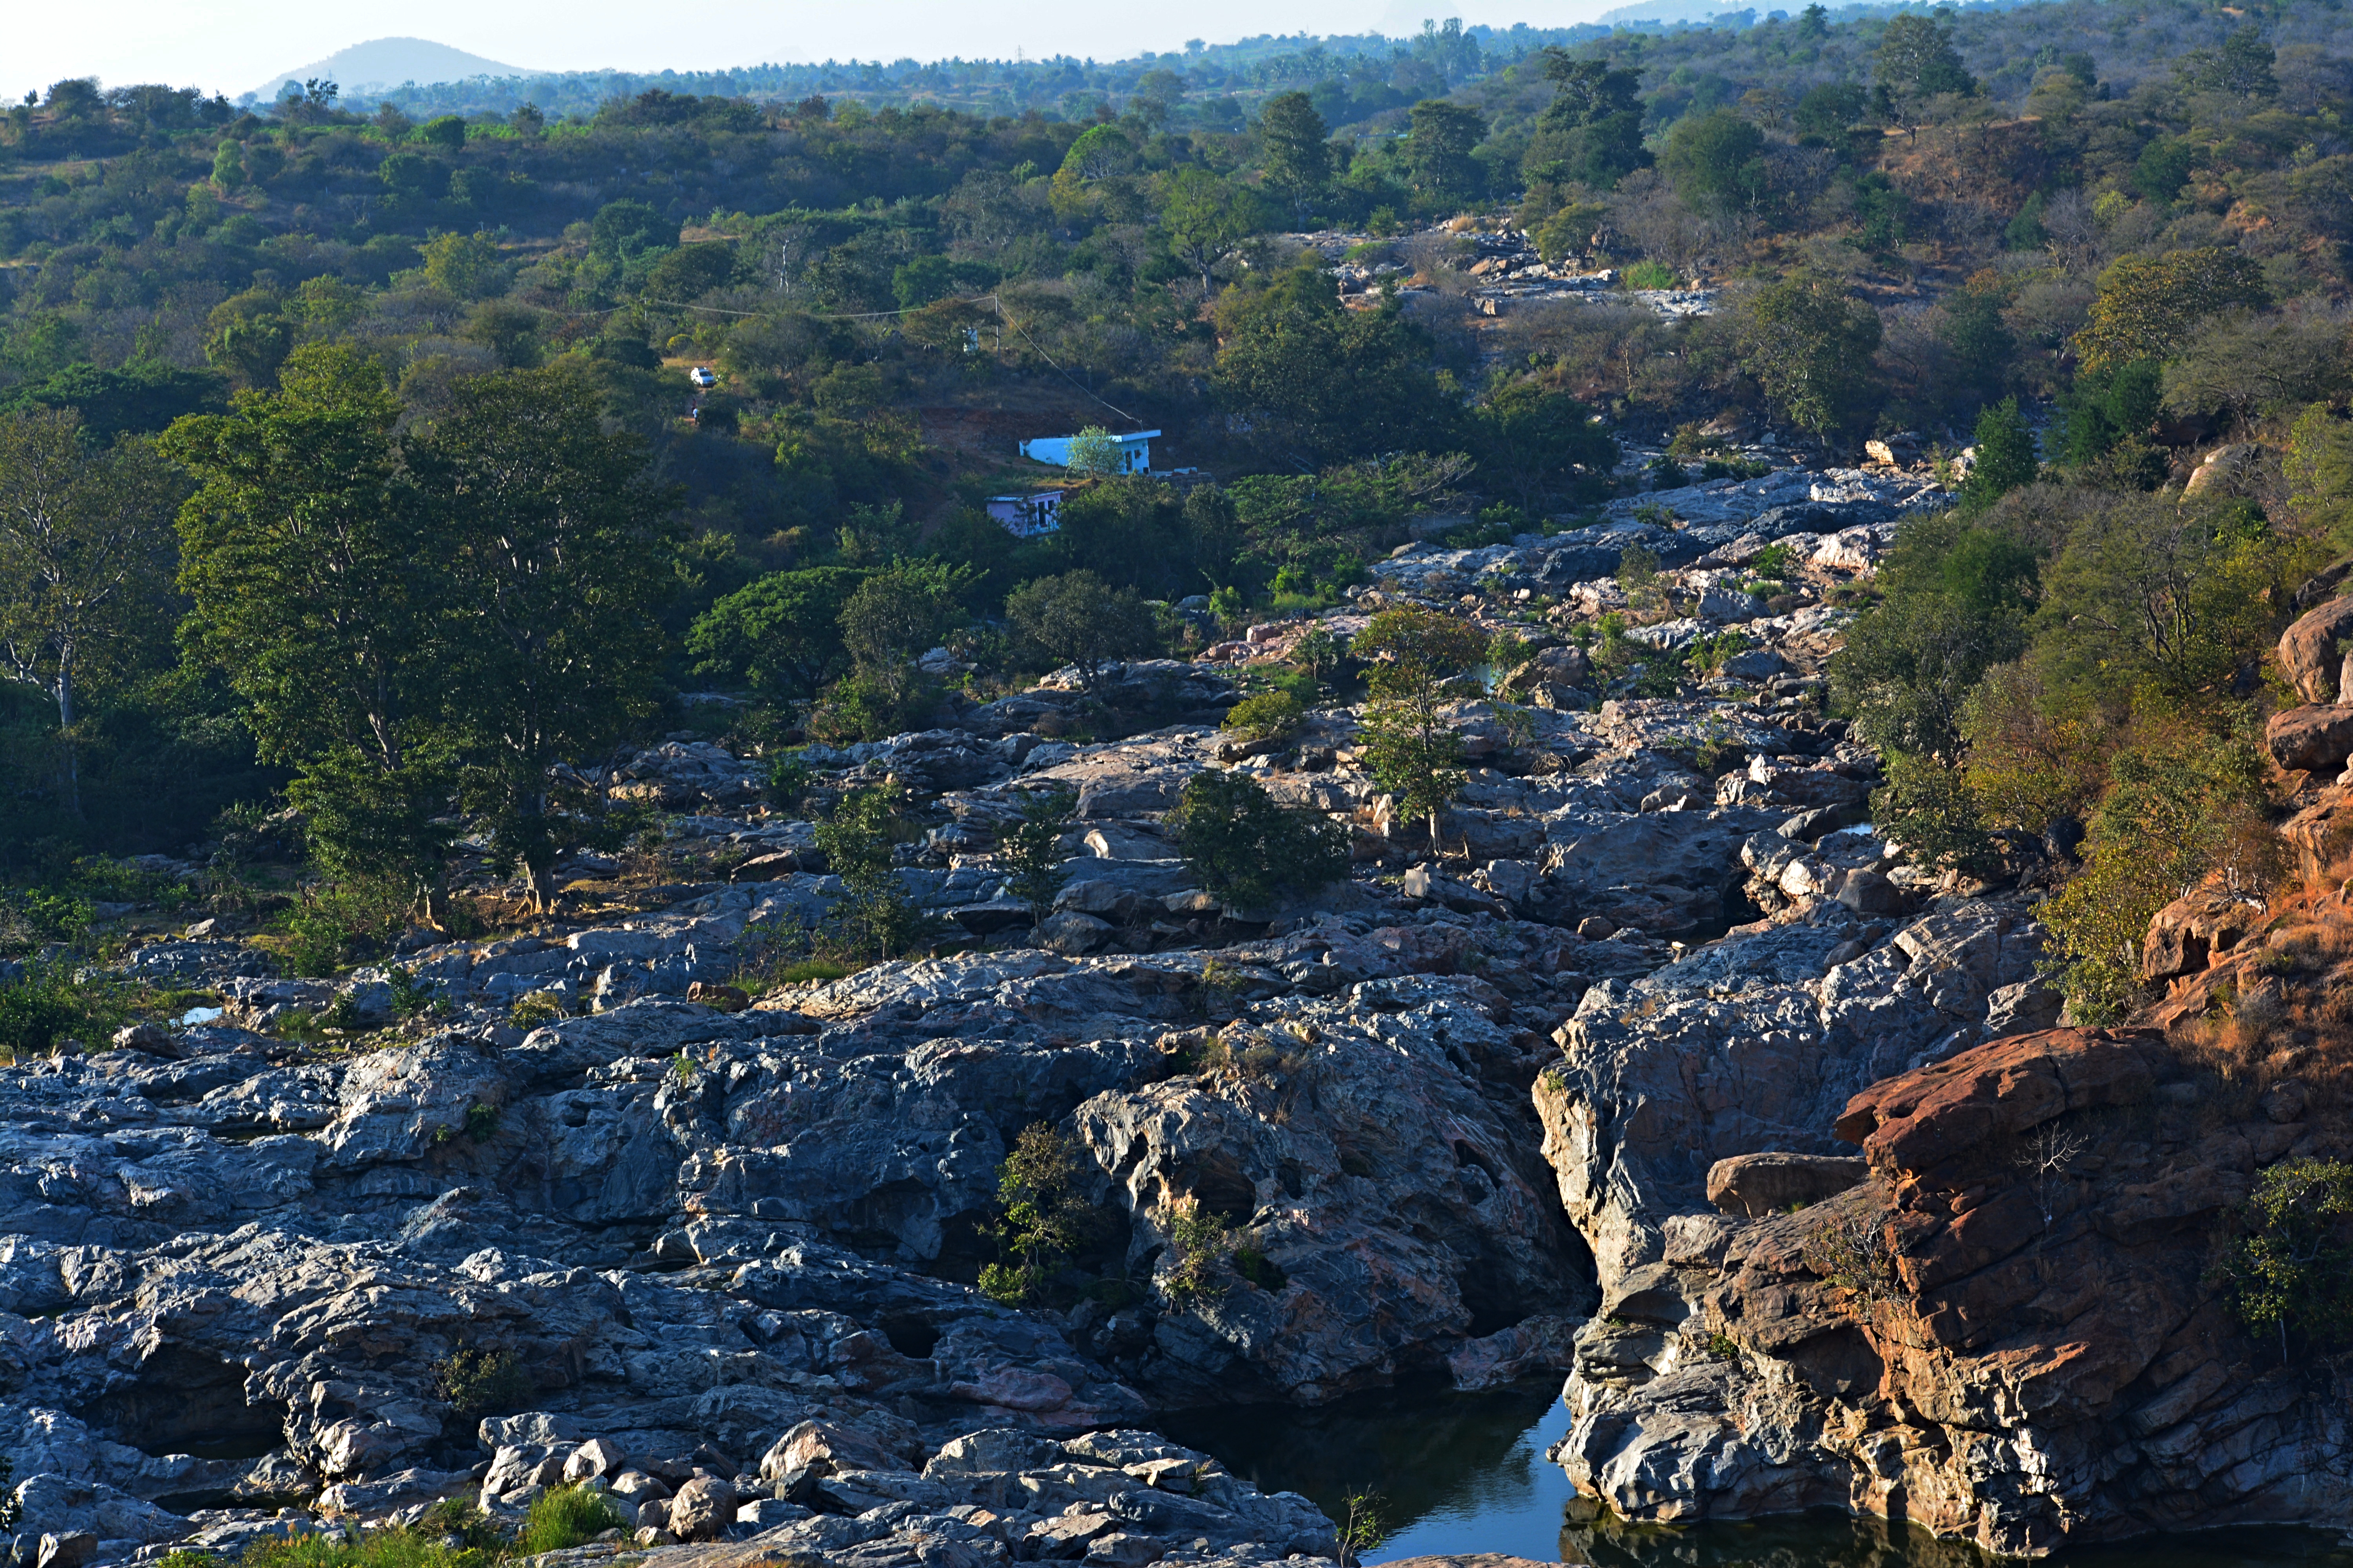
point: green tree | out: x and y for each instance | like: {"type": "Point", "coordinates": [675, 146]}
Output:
{"type": "Point", "coordinates": [2177, 807]}
{"type": "Point", "coordinates": [1033, 850]}
{"type": "Point", "coordinates": [1715, 159]}
{"type": "Point", "coordinates": [303, 552]}
{"type": "Point", "coordinates": [1982, 347]}
{"type": "Point", "coordinates": [1095, 454]}
{"type": "Point", "coordinates": [248, 337]}
{"type": "Point", "coordinates": [229, 165]}
{"type": "Point", "coordinates": [553, 561]}
{"type": "Point", "coordinates": [1045, 1218]}
{"type": "Point", "coordinates": [85, 553]}
{"type": "Point", "coordinates": [2239, 67]}
{"type": "Point", "coordinates": [1206, 218]}
{"type": "Point", "coordinates": [1079, 619]}
{"type": "Point", "coordinates": [1319, 384]}
{"type": "Point", "coordinates": [461, 264]}
{"type": "Point", "coordinates": [780, 635]}
{"type": "Point", "coordinates": [623, 229]}
{"type": "Point", "coordinates": [1956, 595]}
{"type": "Point", "coordinates": [1809, 347]}
{"type": "Point", "coordinates": [2181, 600]}
{"type": "Point", "coordinates": [1294, 153]}
{"type": "Point", "coordinates": [1413, 750]}
{"type": "Point", "coordinates": [1438, 153]}
{"type": "Point", "coordinates": [1916, 61]}
{"type": "Point", "coordinates": [2319, 471]}
{"type": "Point", "coordinates": [2292, 1265]}
{"type": "Point", "coordinates": [2005, 460]}
{"type": "Point", "coordinates": [1591, 131]}
{"type": "Point", "coordinates": [2105, 423]}
{"type": "Point", "coordinates": [1535, 444]}
{"type": "Point", "coordinates": [1829, 109]}
{"type": "Point", "coordinates": [872, 917]}
{"type": "Point", "coordinates": [2148, 306]}
{"type": "Point", "coordinates": [1247, 848]}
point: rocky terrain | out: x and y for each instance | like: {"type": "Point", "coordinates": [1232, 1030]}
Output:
{"type": "Point", "coordinates": [1581, 1096]}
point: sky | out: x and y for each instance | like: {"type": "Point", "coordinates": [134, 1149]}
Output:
{"type": "Point", "coordinates": [232, 46]}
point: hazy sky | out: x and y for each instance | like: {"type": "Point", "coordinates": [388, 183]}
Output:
{"type": "Point", "coordinates": [233, 46]}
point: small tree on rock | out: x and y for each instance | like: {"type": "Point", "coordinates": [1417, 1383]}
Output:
{"type": "Point", "coordinates": [1080, 620]}
{"type": "Point", "coordinates": [1414, 750]}
{"type": "Point", "coordinates": [1246, 846]}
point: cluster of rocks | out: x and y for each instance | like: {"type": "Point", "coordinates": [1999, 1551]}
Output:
{"type": "Point", "coordinates": [727, 1251]}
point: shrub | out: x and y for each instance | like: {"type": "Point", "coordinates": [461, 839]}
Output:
{"type": "Point", "coordinates": [1247, 848]}
{"type": "Point", "coordinates": [1033, 850]}
{"type": "Point", "coordinates": [537, 1007]}
{"type": "Point", "coordinates": [875, 917]}
{"type": "Point", "coordinates": [1929, 809]}
{"type": "Point", "coordinates": [2178, 807]}
{"type": "Point", "coordinates": [481, 1382]}
{"type": "Point", "coordinates": [2291, 1268]}
{"type": "Point", "coordinates": [332, 923]}
{"type": "Point", "coordinates": [789, 779]}
{"type": "Point", "coordinates": [1202, 1242]}
{"type": "Point", "coordinates": [1266, 716]}
{"type": "Point", "coordinates": [565, 1518]}
{"type": "Point", "coordinates": [1650, 274]}
{"type": "Point", "coordinates": [53, 1002]}
{"type": "Point", "coordinates": [372, 1549]}
{"type": "Point", "coordinates": [1044, 1218]}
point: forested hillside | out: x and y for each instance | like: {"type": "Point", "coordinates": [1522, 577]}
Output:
{"type": "Point", "coordinates": [347, 455]}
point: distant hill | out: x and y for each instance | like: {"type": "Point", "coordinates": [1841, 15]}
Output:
{"type": "Point", "coordinates": [382, 64]}
{"type": "Point", "coordinates": [1699, 13]}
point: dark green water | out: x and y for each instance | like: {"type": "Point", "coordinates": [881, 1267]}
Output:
{"type": "Point", "coordinates": [1466, 1472]}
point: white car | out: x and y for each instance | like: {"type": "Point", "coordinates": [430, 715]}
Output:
{"type": "Point", "coordinates": [703, 376]}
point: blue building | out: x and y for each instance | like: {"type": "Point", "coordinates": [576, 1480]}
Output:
{"type": "Point", "coordinates": [1135, 451]}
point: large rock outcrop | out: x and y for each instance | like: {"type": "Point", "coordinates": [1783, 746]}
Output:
{"type": "Point", "coordinates": [2010, 1334]}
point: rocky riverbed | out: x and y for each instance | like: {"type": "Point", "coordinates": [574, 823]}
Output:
{"type": "Point", "coordinates": [1543, 1105]}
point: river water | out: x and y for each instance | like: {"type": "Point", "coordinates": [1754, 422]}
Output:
{"type": "Point", "coordinates": [1458, 1473]}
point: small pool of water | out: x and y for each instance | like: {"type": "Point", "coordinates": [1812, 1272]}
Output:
{"type": "Point", "coordinates": [1461, 1473]}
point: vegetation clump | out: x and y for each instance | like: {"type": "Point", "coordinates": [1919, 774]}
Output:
{"type": "Point", "coordinates": [1045, 1216]}
{"type": "Point", "coordinates": [1247, 848]}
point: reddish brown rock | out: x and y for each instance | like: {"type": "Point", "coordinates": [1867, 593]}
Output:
{"type": "Point", "coordinates": [2313, 740]}
{"type": "Point", "coordinates": [2189, 933]}
{"type": "Point", "coordinates": [2307, 650]}
{"type": "Point", "coordinates": [1754, 1185]}
{"type": "Point", "coordinates": [2013, 1333]}
{"type": "Point", "coordinates": [1921, 1121]}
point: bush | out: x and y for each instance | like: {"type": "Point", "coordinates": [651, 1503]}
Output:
{"type": "Point", "coordinates": [2177, 809]}
{"type": "Point", "coordinates": [1246, 847]}
{"type": "Point", "coordinates": [1928, 808]}
{"type": "Point", "coordinates": [875, 917]}
{"type": "Point", "coordinates": [1266, 716]}
{"type": "Point", "coordinates": [2292, 1268]}
{"type": "Point", "coordinates": [538, 1007]}
{"type": "Point", "coordinates": [1202, 1242]}
{"type": "Point", "coordinates": [565, 1518]}
{"type": "Point", "coordinates": [334, 924]}
{"type": "Point", "coordinates": [1650, 274]}
{"type": "Point", "coordinates": [481, 1382]}
{"type": "Point", "coordinates": [1033, 850]}
{"type": "Point", "coordinates": [1044, 1219]}
{"type": "Point", "coordinates": [373, 1549]}
{"type": "Point", "coordinates": [53, 1002]}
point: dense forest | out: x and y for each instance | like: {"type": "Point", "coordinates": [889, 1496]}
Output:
{"type": "Point", "coordinates": [349, 458]}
